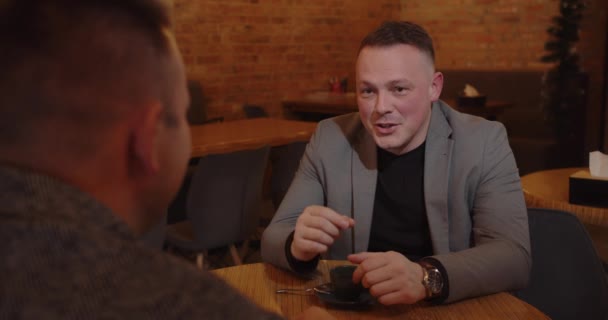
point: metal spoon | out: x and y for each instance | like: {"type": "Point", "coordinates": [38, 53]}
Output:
{"type": "Point", "coordinates": [296, 290]}
{"type": "Point", "coordinates": [322, 288]}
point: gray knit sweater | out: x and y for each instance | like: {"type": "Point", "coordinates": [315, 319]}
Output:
{"type": "Point", "coordinates": [63, 255]}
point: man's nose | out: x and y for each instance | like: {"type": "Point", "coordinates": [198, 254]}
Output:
{"type": "Point", "coordinates": [382, 103]}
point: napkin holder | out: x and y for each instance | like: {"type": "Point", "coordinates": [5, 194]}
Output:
{"type": "Point", "coordinates": [588, 190]}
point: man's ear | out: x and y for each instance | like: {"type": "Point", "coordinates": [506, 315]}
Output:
{"type": "Point", "coordinates": [436, 86]}
{"type": "Point", "coordinates": [143, 151]}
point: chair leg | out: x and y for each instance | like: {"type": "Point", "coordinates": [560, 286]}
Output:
{"type": "Point", "coordinates": [200, 260]}
{"type": "Point", "coordinates": [235, 255]}
{"type": "Point", "coordinates": [244, 249]}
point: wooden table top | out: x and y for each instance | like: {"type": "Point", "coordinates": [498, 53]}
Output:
{"type": "Point", "coordinates": [337, 103]}
{"type": "Point", "coordinates": [231, 136]}
{"type": "Point", "coordinates": [260, 281]}
{"type": "Point", "coordinates": [550, 189]}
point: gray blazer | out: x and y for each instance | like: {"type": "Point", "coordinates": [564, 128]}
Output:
{"type": "Point", "coordinates": [474, 202]}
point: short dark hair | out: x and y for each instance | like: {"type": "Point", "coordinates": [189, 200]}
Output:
{"type": "Point", "coordinates": [400, 32]}
{"type": "Point", "coordinates": [78, 60]}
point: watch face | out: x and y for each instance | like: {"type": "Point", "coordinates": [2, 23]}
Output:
{"type": "Point", "coordinates": [435, 282]}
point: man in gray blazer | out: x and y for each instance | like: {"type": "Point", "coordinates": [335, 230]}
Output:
{"type": "Point", "coordinates": [427, 200]}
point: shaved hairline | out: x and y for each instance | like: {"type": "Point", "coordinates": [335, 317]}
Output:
{"type": "Point", "coordinates": [391, 33]}
{"type": "Point", "coordinates": [95, 64]}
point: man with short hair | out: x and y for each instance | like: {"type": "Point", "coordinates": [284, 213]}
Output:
{"type": "Point", "coordinates": [425, 199]}
{"type": "Point", "coordinates": [94, 143]}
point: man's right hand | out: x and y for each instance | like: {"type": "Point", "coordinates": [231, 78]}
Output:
{"type": "Point", "coordinates": [316, 229]}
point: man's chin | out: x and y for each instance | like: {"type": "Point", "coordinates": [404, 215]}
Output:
{"type": "Point", "coordinates": [389, 144]}
{"type": "Point", "coordinates": [386, 145]}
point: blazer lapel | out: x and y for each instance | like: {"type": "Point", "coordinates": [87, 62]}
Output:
{"type": "Point", "coordinates": [436, 172]}
{"type": "Point", "coordinates": [364, 174]}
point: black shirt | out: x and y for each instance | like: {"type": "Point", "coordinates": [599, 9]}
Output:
{"type": "Point", "coordinates": [399, 221]}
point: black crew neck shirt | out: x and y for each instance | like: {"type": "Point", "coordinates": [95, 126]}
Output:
{"type": "Point", "coordinates": [399, 221]}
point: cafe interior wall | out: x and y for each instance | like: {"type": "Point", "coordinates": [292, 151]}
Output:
{"type": "Point", "coordinates": [594, 34]}
{"type": "Point", "coordinates": [504, 35]}
{"type": "Point", "coordinates": [263, 51]}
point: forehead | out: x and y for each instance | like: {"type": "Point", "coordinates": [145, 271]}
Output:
{"type": "Point", "coordinates": [393, 59]}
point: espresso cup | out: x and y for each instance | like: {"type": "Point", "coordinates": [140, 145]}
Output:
{"type": "Point", "coordinates": [342, 283]}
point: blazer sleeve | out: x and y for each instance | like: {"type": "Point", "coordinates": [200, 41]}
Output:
{"type": "Point", "coordinates": [306, 189]}
{"type": "Point", "coordinates": [499, 258]}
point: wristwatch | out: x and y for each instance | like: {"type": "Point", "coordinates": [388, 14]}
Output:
{"type": "Point", "coordinates": [432, 280]}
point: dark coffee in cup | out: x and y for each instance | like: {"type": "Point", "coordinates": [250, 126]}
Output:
{"type": "Point", "coordinates": [342, 283]}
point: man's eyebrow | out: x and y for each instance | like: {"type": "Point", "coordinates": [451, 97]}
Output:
{"type": "Point", "coordinates": [366, 83]}
{"type": "Point", "coordinates": [399, 81]}
{"type": "Point", "coordinates": [387, 84]}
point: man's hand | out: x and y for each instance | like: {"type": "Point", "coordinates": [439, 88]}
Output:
{"type": "Point", "coordinates": [390, 277]}
{"type": "Point", "coordinates": [316, 229]}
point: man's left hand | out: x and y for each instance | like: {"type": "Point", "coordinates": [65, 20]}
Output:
{"type": "Point", "coordinates": [390, 277]}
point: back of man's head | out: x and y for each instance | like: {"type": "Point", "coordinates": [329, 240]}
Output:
{"type": "Point", "coordinates": [72, 68]}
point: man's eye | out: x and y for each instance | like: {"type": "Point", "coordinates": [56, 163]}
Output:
{"type": "Point", "coordinates": [366, 91]}
{"type": "Point", "coordinates": [399, 90]}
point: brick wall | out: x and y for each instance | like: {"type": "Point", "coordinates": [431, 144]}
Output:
{"type": "Point", "coordinates": [484, 34]}
{"type": "Point", "coordinates": [262, 51]}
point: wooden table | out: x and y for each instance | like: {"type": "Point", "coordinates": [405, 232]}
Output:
{"type": "Point", "coordinates": [550, 189]}
{"type": "Point", "coordinates": [259, 282]}
{"type": "Point", "coordinates": [230, 136]}
{"type": "Point", "coordinates": [320, 104]}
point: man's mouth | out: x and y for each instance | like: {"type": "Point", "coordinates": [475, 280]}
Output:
{"type": "Point", "coordinates": [385, 128]}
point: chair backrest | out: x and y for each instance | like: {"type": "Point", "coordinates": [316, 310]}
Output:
{"type": "Point", "coordinates": [253, 111]}
{"type": "Point", "coordinates": [224, 199]}
{"type": "Point", "coordinates": [567, 280]}
{"type": "Point", "coordinates": [196, 111]}
{"type": "Point", "coordinates": [285, 163]}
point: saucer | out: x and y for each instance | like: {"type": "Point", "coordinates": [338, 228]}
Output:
{"type": "Point", "coordinates": [325, 293]}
